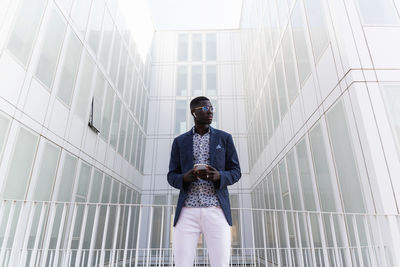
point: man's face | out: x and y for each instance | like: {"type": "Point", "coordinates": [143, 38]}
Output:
{"type": "Point", "coordinates": [203, 115]}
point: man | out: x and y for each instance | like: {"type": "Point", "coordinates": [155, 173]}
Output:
{"type": "Point", "coordinates": [203, 163]}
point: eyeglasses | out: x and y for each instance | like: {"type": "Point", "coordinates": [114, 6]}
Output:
{"type": "Point", "coordinates": [206, 108]}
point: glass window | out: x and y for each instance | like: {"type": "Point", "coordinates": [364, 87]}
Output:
{"type": "Point", "coordinates": [48, 166]}
{"type": "Point", "coordinates": [290, 66]}
{"type": "Point", "coordinates": [128, 82]}
{"type": "Point", "coordinates": [274, 100]}
{"type": "Point", "coordinates": [122, 70]}
{"type": "Point", "coordinates": [105, 196]}
{"type": "Point", "coordinates": [317, 25]}
{"type": "Point", "coordinates": [305, 176]}
{"type": "Point", "coordinates": [284, 185]}
{"type": "Point", "coordinates": [138, 99]}
{"type": "Point", "coordinates": [84, 181]}
{"type": "Point", "coordinates": [134, 143]}
{"type": "Point", "coordinates": [95, 189]}
{"type": "Point", "coordinates": [299, 28]}
{"type": "Point", "coordinates": [98, 97]}
{"type": "Point", "coordinates": [180, 116]}
{"type": "Point", "coordinates": [392, 97]}
{"type": "Point", "coordinates": [378, 12]}
{"type": "Point", "coordinates": [50, 51]}
{"type": "Point", "coordinates": [122, 132]}
{"type": "Point", "coordinates": [26, 26]}
{"type": "Point", "coordinates": [181, 80]}
{"type": "Point", "coordinates": [280, 82]}
{"type": "Point", "coordinates": [67, 178]}
{"type": "Point", "coordinates": [20, 167]}
{"type": "Point", "coordinates": [134, 89]}
{"type": "Point", "coordinates": [129, 138]}
{"type": "Point", "coordinates": [214, 123]}
{"type": "Point", "coordinates": [82, 97]}
{"type": "Point", "coordinates": [115, 191]}
{"type": "Point", "coordinates": [182, 47]}
{"type": "Point", "coordinates": [268, 112]}
{"type": "Point", "coordinates": [143, 106]}
{"type": "Point", "coordinates": [324, 181]}
{"type": "Point", "coordinates": [4, 124]}
{"type": "Point", "coordinates": [69, 68]}
{"type": "Point", "coordinates": [108, 31]}
{"type": "Point", "coordinates": [197, 80]}
{"type": "Point", "coordinates": [80, 14]}
{"type": "Point", "coordinates": [115, 123]}
{"type": "Point", "coordinates": [197, 48]}
{"type": "Point", "coordinates": [345, 162]}
{"type": "Point", "coordinates": [94, 28]}
{"type": "Point", "coordinates": [115, 57]}
{"type": "Point", "coordinates": [277, 189]}
{"type": "Point", "coordinates": [211, 83]}
{"type": "Point", "coordinates": [142, 153]}
{"type": "Point", "coordinates": [211, 47]}
{"type": "Point", "coordinates": [271, 193]}
{"type": "Point", "coordinates": [107, 112]}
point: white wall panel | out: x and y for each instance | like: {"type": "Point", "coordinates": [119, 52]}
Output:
{"type": "Point", "coordinates": [327, 75]}
{"type": "Point", "coordinates": [385, 54]}
{"type": "Point", "coordinates": [226, 83]}
{"type": "Point", "coordinates": [165, 114]}
{"type": "Point", "coordinates": [37, 101]}
{"type": "Point", "coordinates": [12, 77]}
{"type": "Point", "coordinates": [163, 149]}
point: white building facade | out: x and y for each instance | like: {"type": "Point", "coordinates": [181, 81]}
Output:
{"type": "Point", "coordinates": [309, 90]}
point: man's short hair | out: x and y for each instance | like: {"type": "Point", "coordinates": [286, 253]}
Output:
{"type": "Point", "coordinates": [197, 100]}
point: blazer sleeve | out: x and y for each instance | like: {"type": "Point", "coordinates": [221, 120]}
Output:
{"type": "Point", "coordinates": [232, 172]}
{"type": "Point", "coordinates": [175, 175]}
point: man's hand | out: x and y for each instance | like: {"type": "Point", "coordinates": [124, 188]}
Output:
{"type": "Point", "coordinates": [190, 176]}
{"type": "Point", "coordinates": [211, 174]}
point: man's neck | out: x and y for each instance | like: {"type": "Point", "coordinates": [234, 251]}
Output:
{"type": "Point", "coordinates": [201, 128]}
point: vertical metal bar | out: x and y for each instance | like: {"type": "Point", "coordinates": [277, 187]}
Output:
{"type": "Point", "coordinates": [51, 258]}
{"type": "Point", "coordinates": [52, 211]}
{"type": "Point", "coordinates": [70, 234]}
{"type": "Point", "coordinates": [7, 232]}
{"type": "Point", "coordinates": [299, 241]}
{"type": "Point", "coordinates": [60, 233]}
{"type": "Point", "coordinates": [369, 241]}
{"type": "Point", "coordinates": [116, 228]}
{"type": "Point", "coordinates": [97, 258]}
{"type": "Point", "coordinates": [358, 248]}
{"type": "Point", "coordinates": [24, 251]}
{"type": "Point", "coordinates": [275, 223]}
{"type": "Point", "coordinates": [252, 232]}
{"type": "Point", "coordinates": [311, 239]}
{"type": "Point", "coordinates": [128, 227]}
{"type": "Point", "coordinates": [94, 234]}
{"type": "Point", "coordinates": [37, 238]}
{"type": "Point", "coordinates": [149, 235]}
{"type": "Point", "coordinates": [103, 242]}
{"type": "Point", "coordinates": [81, 235]}
{"type": "Point", "coordinates": [264, 236]}
{"type": "Point", "coordinates": [287, 233]}
{"type": "Point", "coordinates": [138, 237]}
{"type": "Point", "coordinates": [335, 244]}
{"type": "Point", "coordinates": [162, 230]}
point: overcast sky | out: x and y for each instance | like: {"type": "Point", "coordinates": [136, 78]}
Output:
{"type": "Point", "coordinates": [195, 14]}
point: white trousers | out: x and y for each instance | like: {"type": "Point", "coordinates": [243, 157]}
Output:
{"type": "Point", "coordinates": [217, 234]}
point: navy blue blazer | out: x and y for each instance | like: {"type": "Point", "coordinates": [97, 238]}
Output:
{"type": "Point", "coordinates": [223, 157]}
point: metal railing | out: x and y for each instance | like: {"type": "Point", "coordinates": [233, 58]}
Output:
{"type": "Point", "coordinates": [35, 233]}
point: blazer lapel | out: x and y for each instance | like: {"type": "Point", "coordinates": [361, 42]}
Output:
{"type": "Point", "coordinates": [213, 144]}
{"type": "Point", "coordinates": [189, 145]}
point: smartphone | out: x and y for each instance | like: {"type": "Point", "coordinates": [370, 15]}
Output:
{"type": "Point", "coordinates": [200, 166]}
